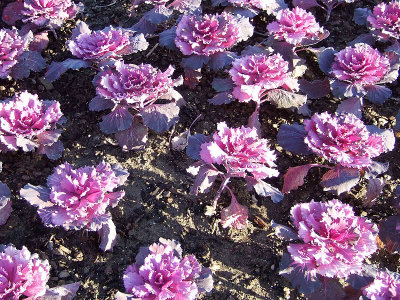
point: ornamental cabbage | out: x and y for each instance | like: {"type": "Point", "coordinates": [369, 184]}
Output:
{"type": "Point", "coordinates": [343, 139]}
{"type": "Point", "coordinates": [259, 76]}
{"type": "Point", "coordinates": [209, 34]}
{"type": "Point", "coordinates": [108, 43]}
{"type": "Point", "coordinates": [51, 13]}
{"type": "Point", "coordinates": [136, 86]}
{"type": "Point", "coordinates": [360, 70]}
{"type": "Point", "coordinates": [127, 87]}
{"type": "Point", "coordinates": [97, 48]}
{"type": "Point", "coordinates": [384, 287]}
{"type": "Point", "coordinates": [160, 272]}
{"type": "Point", "coordinates": [79, 198]}
{"type": "Point", "coordinates": [22, 273]}
{"type": "Point", "coordinates": [255, 74]}
{"type": "Point", "coordinates": [385, 20]}
{"type": "Point", "coordinates": [360, 64]}
{"type": "Point", "coordinates": [27, 123]}
{"type": "Point", "coordinates": [241, 152]}
{"type": "Point", "coordinates": [12, 45]}
{"type": "Point", "coordinates": [297, 27]}
{"type": "Point", "coordinates": [25, 275]}
{"type": "Point", "coordinates": [335, 241]}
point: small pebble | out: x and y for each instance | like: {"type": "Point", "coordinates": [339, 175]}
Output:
{"type": "Point", "coordinates": [63, 274]}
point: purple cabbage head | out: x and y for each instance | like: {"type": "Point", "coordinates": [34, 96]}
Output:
{"type": "Point", "coordinates": [130, 91]}
{"type": "Point", "coordinates": [135, 86]}
{"type": "Point", "coordinates": [385, 20]}
{"type": "Point", "coordinates": [210, 34]}
{"type": "Point", "coordinates": [12, 45]}
{"type": "Point", "coordinates": [335, 241]}
{"type": "Point", "coordinates": [22, 273]}
{"type": "Point", "coordinates": [384, 287]}
{"type": "Point", "coordinates": [51, 13]}
{"type": "Point", "coordinates": [240, 151]}
{"type": "Point", "coordinates": [343, 139]}
{"type": "Point", "coordinates": [160, 272]}
{"type": "Point", "coordinates": [257, 73]}
{"type": "Point", "coordinates": [77, 198]}
{"type": "Point", "coordinates": [360, 64]}
{"type": "Point", "coordinates": [296, 26]}
{"type": "Point", "coordinates": [108, 43]}
{"type": "Point", "coordinates": [28, 123]}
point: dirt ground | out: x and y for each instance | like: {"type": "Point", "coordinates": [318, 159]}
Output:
{"type": "Point", "coordinates": [245, 263]}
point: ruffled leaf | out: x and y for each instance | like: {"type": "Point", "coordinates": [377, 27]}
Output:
{"type": "Point", "coordinates": [375, 169]}
{"type": "Point", "coordinates": [194, 145]}
{"type": "Point", "coordinates": [167, 38]}
{"type": "Point", "coordinates": [330, 290]}
{"type": "Point", "coordinates": [305, 4]}
{"type": "Point", "coordinates": [158, 14]}
{"type": "Point", "coordinates": [56, 69]}
{"type": "Point", "coordinates": [264, 189]}
{"type": "Point", "coordinates": [360, 16]}
{"type": "Point", "coordinates": [374, 189]}
{"type": "Point", "coordinates": [284, 232]}
{"type": "Point", "coordinates": [222, 98]}
{"type": "Point", "coordinates": [222, 84]}
{"type": "Point", "coordinates": [195, 62]}
{"type": "Point", "coordinates": [160, 117]}
{"type": "Point", "coordinates": [315, 89]}
{"type": "Point", "coordinates": [81, 28]}
{"type": "Point", "coordinates": [342, 89]}
{"type": "Point", "coordinates": [38, 196]}
{"type": "Point", "coordinates": [121, 173]}
{"type": "Point", "coordinates": [352, 106]}
{"type": "Point", "coordinates": [180, 142]}
{"type": "Point", "coordinates": [205, 178]}
{"type": "Point", "coordinates": [108, 235]}
{"type": "Point", "coordinates": [378, 94]}
{"type": "Point", "coordinates": [285, 99]}
{"type": "Point", "coordinates": [325, 60]}
{"type": "Point", "coordinates": [40, 42]}
{"type": "Point", "coordinates": [221, 60]}
{"type": "Point", "coordinates": [205, 281]}
{"type": "Point", "coordinates": [123, 296]}
{"type": "Point", "coordinates": [133, 138]}
{"type": "Point", "coordinates": [294, 177]}
{"type": "Point", "coordinates": [99, 103]}
{"type": "Point", "coordinates": [291, 138]}
{"type": "Point", "coordinates": [387, 136]}
{"type": "Point", "coordinates": [235, 215]}
{"type": "Point", "coordinates": [53, 151]}
{"type": "Point", "coordinates": [118, 120]}
{"type": "Point", "coordinates": [298, 277]}
{"type": "Point", "coordinates": [62, 292]}
{"type": "Point", "coordinates": [340, 179]}
{"type": "Point", "coordinates": [144, 26]}
{"type": "Point", "coordinates": [28, 61]}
